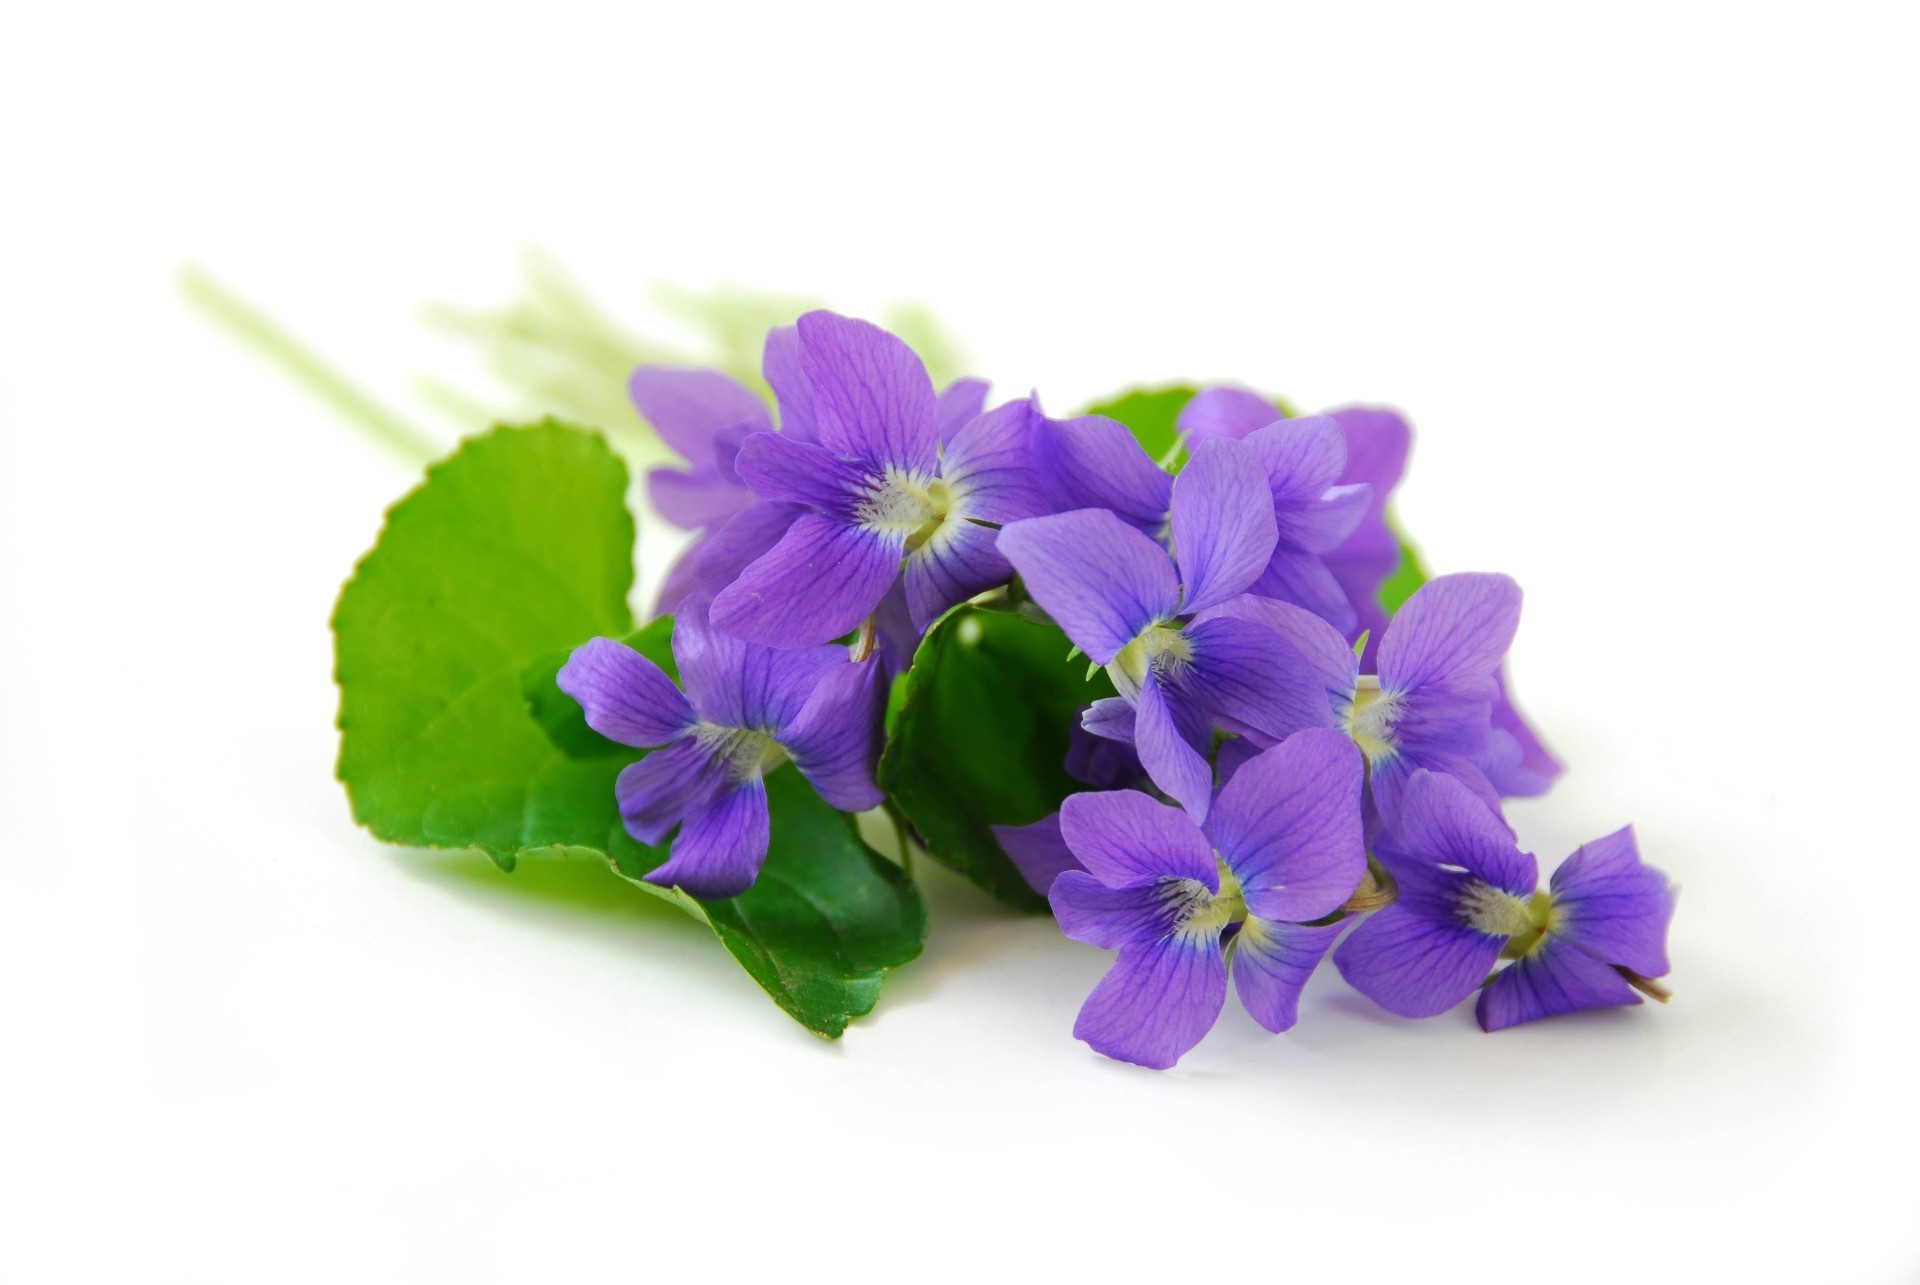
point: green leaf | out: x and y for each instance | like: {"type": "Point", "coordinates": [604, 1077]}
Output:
{"type": "Point", "coordinates": [1407, 576]}
{"type": "Point", "coordinates": [980, 739]}
{"type": "Point", "coordinates": [825, 920]}
{"type": "Point", "coordinates": [1150, 413]}
{"type": "Point", "coordinates": [515, 550]}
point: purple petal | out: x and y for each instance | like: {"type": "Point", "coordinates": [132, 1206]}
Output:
{"type": "Point", "coordinates": [1302, 458]}
{"type": "Point", "coordinates": [1377, 440]}
{"type": "Point", "coordinates": [780, 364]}
{"type": "Point", "coordinates": [1225, 412]}
{"type": "Point", "coordinates": [1303, 580]}
{"type": "Point", "coordinates": [1440, 820]}
{"type": "Point", "coordinates": [1106, 762]}
{"type": "Point", "coordinates": [1388, 780]}
{"type": "Point", "coordinates": [1169, 732]}
{"type": "Point", "coordinates": [817, 584]}
{"type": "Point", "coordinates": [1249, 679]}
{"type": "Point", "coordinates": [783, 471]}
{"type": "Point", "coordinates": [835, 738]}
{"type": "Point", "coordinates": [625, 696]}
{"type": "Point", "coordinates": [1156, 1002]}
{"type": "Point", "coordinates": [1413, 965]}
{"type": "Point", "coordinates": [687, 406]}
{"type": "Point", "coordinates": [1555, 977]}
{"type": "Point", "coordinates": [1316, 526]}
{"type": "Point", "coordinates": [1089, 911]}
{"type": "Point", "coordinates": [734, 683]}
{"type": "Point", "coordinates": [1317, 642]}
{"type": "Point", "coordinates": [1109, 718]}
{"type": "Point", "coordinates": [666, 785]}
{"type": "Point", "coordinates": [683, 576]}
{"type": "Point", "coordinates": [1613, 907]}
{"type": "Point", "coordinates": [1038, 851]}
{"type": "Point", "coordinates": [1451, 634]}
{"type": "Point", "coordinates": [1125, 839]}
{"type": "Point", "coordinates": [1222, 524]}
{"type": "Point", "coordinates": [717, 560]}
{"type": "Point", "coordinates": [1272, 961]}
{"type": "Point", "coordinates": [894, 628]}
{"type": "Point", "coordinates": [692, 500]}
{"type": "Point", "coordinates": [1518, 763]}
{"type": "Point", "coordinates": [958, 403]}
{"type": "Point", "coordinates": [988, 466]}
{"type": "Point", "coordinates": [1102, 580]}
{"type": "Point", "coordinates": [872, 399]}
{"type": "Point", "coordinates": [1288, 826]}
{"type": "Point", "coordinates": [720, 847]}
{"type": "Point", "coordinates": [1093, 462]}
{"type": "Point", "coordinates": [957, 562]}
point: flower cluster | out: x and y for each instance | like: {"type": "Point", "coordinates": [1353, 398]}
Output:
{"type": "Point", "coordinates": [1281, 763]}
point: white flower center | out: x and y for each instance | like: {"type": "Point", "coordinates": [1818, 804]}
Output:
{"type": "Point", "coordinates": [1498, 913]}
{"type": "Point", "coordinates": [1370, 719]}
{"type": "Point", "coordinates": [746, 752]}
{"type": "Point", "coordinates": [1159, 647]}
{"type": "Point", "coordinates": [905, 504]}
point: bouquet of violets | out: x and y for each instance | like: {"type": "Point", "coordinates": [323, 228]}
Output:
{"type": "Point", "coordinates": [1165, 669]}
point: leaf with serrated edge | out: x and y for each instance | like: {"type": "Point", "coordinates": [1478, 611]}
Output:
{"type": "Point", "coordinates": [514, 550]}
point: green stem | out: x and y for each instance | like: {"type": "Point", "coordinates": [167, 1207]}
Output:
{"type": "Point", "coordinates": [900, 837]}
{"type": "Point", "coordinates": [267, 336]}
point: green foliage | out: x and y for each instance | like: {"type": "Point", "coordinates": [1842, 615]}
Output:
{"type": "Point", "coordinates": [1150, 413]}
{"type": "Point", "coordinates": [515, 550]}
{"type": "Point", "coordinates": [979, 738]}
{"type": "Point", "coordinates": [1407, 576]}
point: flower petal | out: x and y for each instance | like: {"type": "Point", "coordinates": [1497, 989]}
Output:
{"type": "Point", "coordinates": [1038, 851]}
{"type": "Point", "coordinates": [1302, 458]}
{"type": "Point", "coordinates": [1517, 762]}
{"type": "Point", "coordinates": [1555, 977]}
{"type": "Point", "coordinates": [988, 466]}
{"type": "Point", "coordinates": [1109, 718]}
{"type": "Point", "coordinates": [721, 847]}
{"type": "Point", "coordinates": [1101, 579]}
{"type": "Point", "coordinates": [1105, 758]}
{"type": "Point", "coordinates": [780, 364]}
{"type": "Point", "coordinates": [1272, 961]}
{"type": "Point", "coordinates": [872, 399]}
{"type": "Point", "coordinates": [1169, 730]}
{"type": "Point", "coordinates": [1319, 525]}
{"type": "Point", "coordinates": [835, 738]}
{"type": "Point", "coordinates": [1439, 820]}
{"type": "Point", "coordinates": [656, 792]}
{"type": "Point", "coordinates": [626, 697]}
{"type": "Point", "coordinates": [1125, 839]}
{"type": "Point", "coordinates": [734, 683]}
{"type": "Point", "coordinates": [1089, 911]}
{"type": "Point", "coordinates": [1288, 826]}
{"type": "Point", "coordinates": [716, 560]}
{"type": "Point", "coordinates": [817, 584]}
{"type": "Point", "coordinates": [687, 406]}
{"type": "Point", "coordinates": [1303, 580]}
{"type": "Point", "coordinates": [1249, 679]}
{"type": "Point", "coordinates": [1223, 530]}
{"type": "Point", "coordinates": [1412, 965]}
{"type": "Point", "coordinates": [1092, 462]}
{"type": "Point", "coordinates": [959, 561]}
{"type": "Point", "coordinates": [784, 471]}
{"type": "Point", "coordinates": [1318, 642]}
{"type": "Point", "coordinates": [1451, 634]}
{"type": "Point", "coordinates": [1156, 1002]}
{"type": "Point", "coordinates": [1225, 412]}
{"type": "Point", "coordinates": [957, 404]}
{"type": "Point", "coordinates": [692, 500]}
{"type": "Point", "coordinates": [1613, 907]}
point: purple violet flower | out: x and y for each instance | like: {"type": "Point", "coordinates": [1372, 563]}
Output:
{"type": "Point", "coordinates": [880, 497]}
{"type": "Point", "coordinates": [747, 710]}
{"type": "Point", "coordinates": [1376, 441]}
{"type": "Point", "coordinates": [1164, 626]}
{"type": "Point", "coordinates": [1095, 462]}
{"type": "Point", "coordinates": [1281, 850]}
{"type": "Point", "coordinates": [705, 416]}
{"type": "Point", "coordinates": [1467, 898]}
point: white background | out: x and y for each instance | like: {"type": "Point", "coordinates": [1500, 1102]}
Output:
{"type": "Point", "coordinates": [1644, 277]}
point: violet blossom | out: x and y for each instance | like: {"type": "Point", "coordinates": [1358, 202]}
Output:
{"type": "Point", "coordinates": [746, 711]}
{"type": "Point", "coordinates": [1467, 898]}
